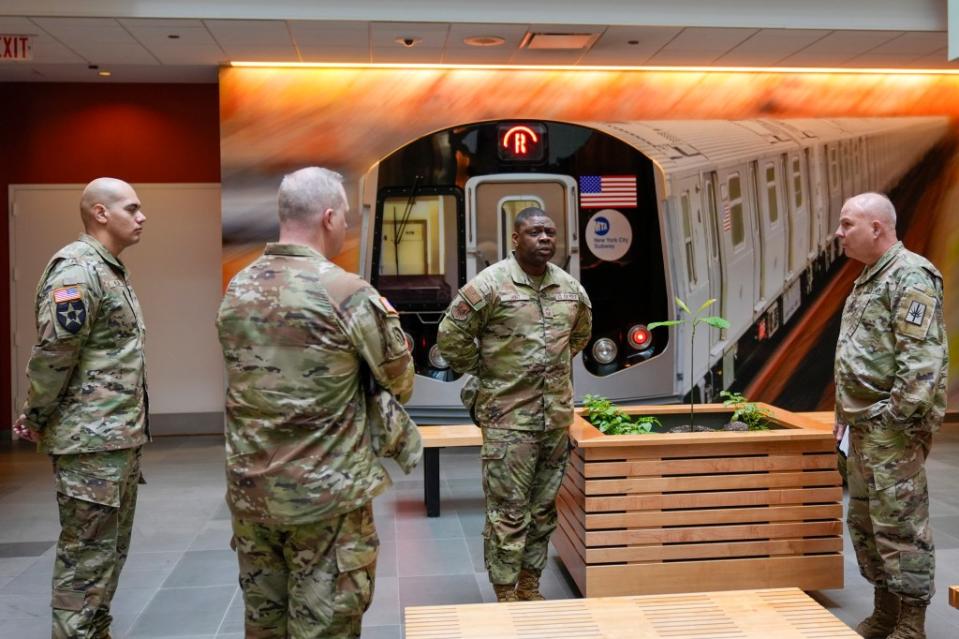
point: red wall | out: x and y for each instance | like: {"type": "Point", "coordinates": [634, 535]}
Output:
{"type": "Point", "coordinates": [72, 133]}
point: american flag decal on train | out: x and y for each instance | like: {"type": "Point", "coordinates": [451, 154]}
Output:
{"type": "Point", "coordinates": [66, 294]}
{"type": "Point", "coordinates": [607, 191]}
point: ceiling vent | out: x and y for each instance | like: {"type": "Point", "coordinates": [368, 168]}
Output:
{"type": "Point", "coordinates": [559, 41]}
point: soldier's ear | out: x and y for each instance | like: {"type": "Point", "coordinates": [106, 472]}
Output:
{"type": "Point", "coordinates": [99, 213]}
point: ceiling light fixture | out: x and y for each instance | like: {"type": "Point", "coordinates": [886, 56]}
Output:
{"type": "Point", "coordinates": [174, 36]}
{"type": "Point", "coordinates": [104, 73]}
{"type": "Point", "coordinates": [561, 41]}
{"type": "Point", "coordinates": [484, 41]}
{"type": "Point", "coordinates": [407, 41]}
{"type": "Point", "coordinates": [587, 68]}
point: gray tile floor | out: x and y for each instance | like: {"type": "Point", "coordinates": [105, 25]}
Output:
{"type": "Point", "coordinates": [181, 578]}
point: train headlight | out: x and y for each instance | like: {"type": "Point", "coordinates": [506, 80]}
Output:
{"type": "Point", "coordinates": [409, 341]}
{"type": "Point", "coordinates": [436, 358]}
{"type": "Point", "coordinates": [605, 350]}
{"type": "Point", "coordinates": [640, 338]}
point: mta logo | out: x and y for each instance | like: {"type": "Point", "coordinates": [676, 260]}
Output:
{"type": "Point", "coordinates": [602, 226]}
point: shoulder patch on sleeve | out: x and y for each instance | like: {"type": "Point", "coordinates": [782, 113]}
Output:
{"type": "Point", "coordinates": [472, 295]}
{"type": "Point", "coordinates": [384, 305]}
{"type": "Point", "coordinates": [914, 314]}
{"type": "Point", "coordinates": [460, 309]}
{"type": "Point", "coordinates": [67, 293]}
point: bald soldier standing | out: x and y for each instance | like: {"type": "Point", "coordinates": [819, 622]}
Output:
{"type": "Point", "coordinates": [891, 363]}
{"type": "Point", "coordinates": [300, 337]}
{"type": "Point", "coordinates": [517, 326]}
{"type": "Point", "coordinates": [87, 404]}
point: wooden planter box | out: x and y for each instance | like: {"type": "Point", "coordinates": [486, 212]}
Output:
{"type": "Point", "coordinates": [667, 513]}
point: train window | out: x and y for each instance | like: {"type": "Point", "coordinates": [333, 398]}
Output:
{"type": "Point", "coordinates": [688, 238]}
{"type": "Point", "coordinates": [772, 199]}
{"type": "Point", "coordinates": [418, 253]}
{"type": "Point", "coordinates": [734, 186]}
{"type": "Point", "coordinates": [797, 182]}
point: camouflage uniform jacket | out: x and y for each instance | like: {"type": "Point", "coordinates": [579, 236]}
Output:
{"type": "Point", "coordinates": [87, 375]}
{"type": "Point", "coordinates": [519, 342]}
{"type": "Point", "coordinates": [892, 356]}
{"type": "Point", "coordinates": [298, 334]}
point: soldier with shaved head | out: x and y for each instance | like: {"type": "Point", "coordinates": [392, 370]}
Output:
{"type": "Point", "coordinates": [891, 363]}
{"type": "Point", "coordinates": [87, 404]}
{"type": "Point", "coordinates": [302, 339]}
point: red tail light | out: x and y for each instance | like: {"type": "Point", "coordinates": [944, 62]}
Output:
{"type": "Point", "coordinates": [640, 337]}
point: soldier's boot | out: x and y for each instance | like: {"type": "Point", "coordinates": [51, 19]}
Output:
{"type": "Point", "coordinates": [527, 588]}
{"type": "Point", "coordinates": [505, 592]}
{"type": "Point", "coordinates": [883, 619]}
{"type": "Point", "coordinates": [912, 622]}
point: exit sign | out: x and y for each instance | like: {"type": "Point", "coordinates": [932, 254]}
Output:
{"type": "Point", "coordinates": [16, 47]}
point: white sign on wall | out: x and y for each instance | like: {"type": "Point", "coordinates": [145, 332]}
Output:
{"type": "Point", "coordinates": [609, 235]}
{"type": "Point", "coordinates": [16, 47]}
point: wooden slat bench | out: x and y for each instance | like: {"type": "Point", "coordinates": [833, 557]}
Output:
{"type": "Point", "coordinates": [784, 613]}
{"type": "Point", "coordinates": [954, 596]}
{"type": "Point", "coordinates": [434, 438]}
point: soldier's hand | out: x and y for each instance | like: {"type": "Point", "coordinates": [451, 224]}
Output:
{"type": "Point", "coordinates": [838, 430]}
{"type": "Point", "coordinates": [23, 431]}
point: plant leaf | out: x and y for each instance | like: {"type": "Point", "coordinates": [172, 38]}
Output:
{"type": "Point", "coordinates": [715, 321]}
{"type": "Point", "coordinates": [681, 304]}
{"type": "Point", "coordinates": [653, 325]}
{"type": "Point", "coordinates": [706, 305]}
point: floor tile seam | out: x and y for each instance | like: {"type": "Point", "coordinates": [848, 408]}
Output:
{"type": "Point", "coordinates": [226, 612]}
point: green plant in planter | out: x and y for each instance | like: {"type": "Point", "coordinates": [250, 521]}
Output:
{"type": "Point", "coordinates": [611, 420]}
{"type": "Point", "coordinates": [753, 415]}
{"type": "Point", "coordinates": [694, 320]}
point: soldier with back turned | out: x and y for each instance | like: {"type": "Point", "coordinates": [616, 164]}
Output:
{"type": "Point", "coordinates": [87, 404]}
{"type": "Point", "coordinates": [303, 340]}
{"type": "Point", "coordinates": [891, 363]}
{"type": "Point", "coordinates": [516, 327]}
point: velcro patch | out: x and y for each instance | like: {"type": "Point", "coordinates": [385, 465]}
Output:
{"type": "Point", "coordinates": [473, 296]}
{"type": "Point", "coordinates": [67, 293]}
{"type": "Point", "coordinates": [915, 313]}
{"type": "Point", "coordinates": [383, 305]}
{"type": "Point", "coordinates": [71, 315]}
{"type": "Point", "coordinates": [388, 306]}
{"type": "Point", "coordinates": [566, 297]}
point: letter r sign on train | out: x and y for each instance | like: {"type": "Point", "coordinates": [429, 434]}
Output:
{"type": "Point", "coordinates": [16, 48]}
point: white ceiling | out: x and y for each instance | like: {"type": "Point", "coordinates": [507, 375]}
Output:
{"type": "Point", "coordinates": [142, 50]}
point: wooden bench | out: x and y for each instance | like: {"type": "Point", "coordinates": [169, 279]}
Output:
{"type": "Point", "coordinates": [434, 438]}
{"type": "Point", "coordinates": [786, 613]}
{"type": "Point", "coordinates": [455, 435]}
{"type": "Point", "coordinates": [954, 596]}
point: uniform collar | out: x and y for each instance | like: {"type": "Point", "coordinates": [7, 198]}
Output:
{"type": "Point", "coordinates": [293, 250]}
{"type": "Point", "coordinates": [873, 269]}
{"type": "Point", "coordinates": [102, 251]}
{"type": "Point", "coordinates": [520, 276]}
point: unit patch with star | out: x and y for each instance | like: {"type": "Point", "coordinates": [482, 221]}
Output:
{"type": "Point", "coordinates": [915, 314]}
{"type": "Point", "coordinates": [70, 311]}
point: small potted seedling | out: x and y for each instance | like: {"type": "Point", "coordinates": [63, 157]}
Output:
{"type": "Point", "coordinates": [694, 320]}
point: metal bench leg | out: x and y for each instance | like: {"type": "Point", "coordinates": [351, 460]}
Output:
{"type": "Point", "coordinates": [431, 481]}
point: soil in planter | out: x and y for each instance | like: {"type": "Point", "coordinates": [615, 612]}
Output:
{"type": "Point", "coordinates": [704, 423]}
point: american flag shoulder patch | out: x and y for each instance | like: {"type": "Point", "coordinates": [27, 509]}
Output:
{"type": "Point", "coordinates": [67, 294]}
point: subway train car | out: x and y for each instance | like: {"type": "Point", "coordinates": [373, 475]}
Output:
{"type": "Point", "coordinates": [740, 211]}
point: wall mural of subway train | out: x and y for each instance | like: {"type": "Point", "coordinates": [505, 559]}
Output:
{"type": "Point", "coordinates": [742, 211]}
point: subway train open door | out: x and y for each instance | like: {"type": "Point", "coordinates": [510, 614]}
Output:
{"type": "Point", "coordinates": [492, 203]}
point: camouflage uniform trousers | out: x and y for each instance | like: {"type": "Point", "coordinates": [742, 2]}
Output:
{"type": "Point", "coordinates": [307, 581]}
{"type": "Point", "coordinates": [522, 473]}
{"type": "Point", "coordinates": [97, 494]}
{"type": "Point", "coordinates": [888, 515]}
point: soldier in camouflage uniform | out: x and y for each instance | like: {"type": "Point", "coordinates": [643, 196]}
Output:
{"type": "Point", "coordinates": [300, 337]}
{"type": "Point", "coordinates": [87, 404]}
{"type": "Point", "coordinates": [891, 363]}
{"type": "Point", "coordinates": [516, 326]}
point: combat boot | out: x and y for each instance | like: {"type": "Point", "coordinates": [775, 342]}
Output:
{"type": "Point", "coordinates": [883, 619]}
{"type": "Point", "coordinates": [505, 592]}
{"type": "Point", "coordinates": [912, 622]}
{"type": "Point", "coordinates": [527, 588]}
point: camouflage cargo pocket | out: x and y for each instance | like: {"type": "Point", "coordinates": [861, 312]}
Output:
{"type": "Point", "coordinates": [356, 563]}
{"type": "Point", "coordinates": [917, 570]}
{"type": "Point", "coordinates": [85, 487]}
